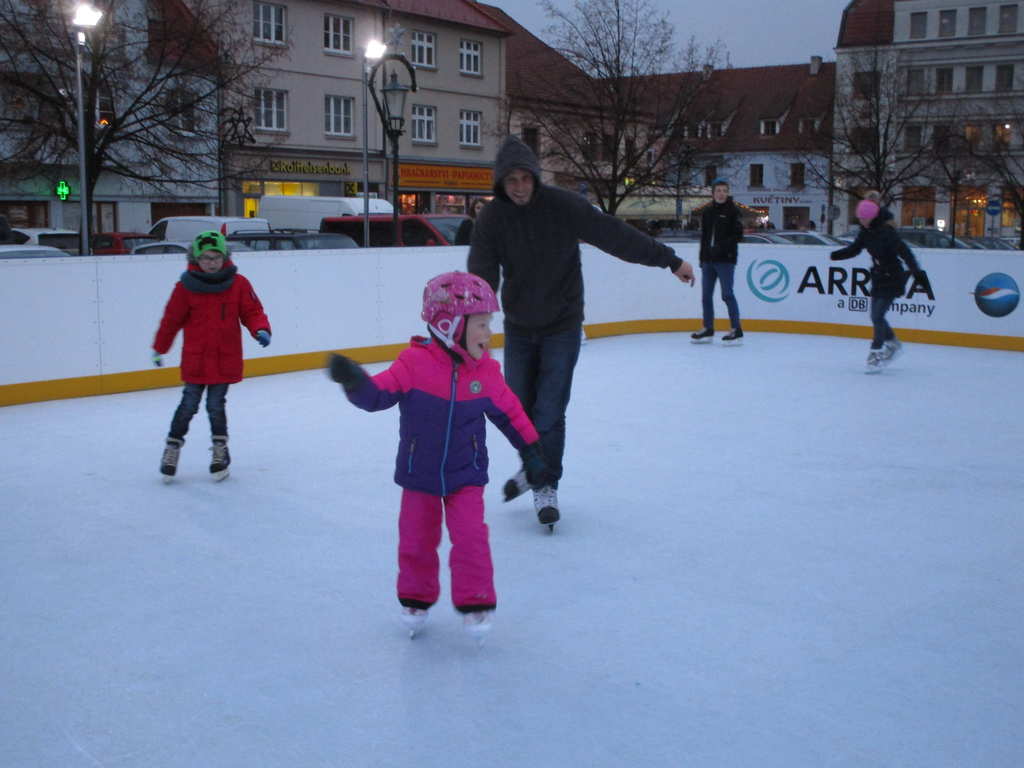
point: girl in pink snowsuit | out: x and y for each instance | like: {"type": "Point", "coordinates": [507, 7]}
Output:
{"type": "Point", "coordinates": [444, 386]}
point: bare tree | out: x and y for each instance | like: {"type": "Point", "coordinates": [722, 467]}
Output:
{"type": "Point", "coordinates": [1002, 154]}
{"type": "Point", "coordinates": [611, 117]}
{"type": "Point", "coordinates": [875, 134]}
{"type": "Point", "coordinates": [158, 75]}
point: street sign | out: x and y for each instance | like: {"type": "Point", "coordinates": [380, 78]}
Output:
{"type": "Point", "coordinates": [994, 206]}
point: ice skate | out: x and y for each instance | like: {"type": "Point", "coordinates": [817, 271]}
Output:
{"type": "Point", "coordinates": [516, 485]}
{"type": "Point", "coordinates": [221, 459]}
{"type": "Point", "coordinates": [477, 624]}
{"type": "Point", "coordinates": [875, 362]}
{"type": "Point", "coordinates": [545, 502]}
{"type": "Point", "coordinates": [734, 338]}
{"type": "Point", "coordinates": [891, 350]}
{"type": "Point", "coordinates": [169, 461]}
{"type": "Point", "coordinates": [703, 336]}
{"type": "Point", "coordinates": [414, 619]}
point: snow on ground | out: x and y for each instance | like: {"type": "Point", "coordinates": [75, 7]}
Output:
{"type": "Point", "coordinates": [766, 558]}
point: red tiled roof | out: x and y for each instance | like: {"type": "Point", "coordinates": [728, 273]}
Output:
{"type": "Point", "coordinates": [866, 22]}
{"type": "Point", "coordinates": [463, 12]}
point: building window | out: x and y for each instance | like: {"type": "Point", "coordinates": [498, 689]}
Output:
{"type": "Point", "coordinates": [271, 109]}
{"type": "Point", "coordinates": [977, 19]}
{"type": "Point", "coordinates": [918, 25]}
{"type": "Point", "coordinates": [973, 79]}
{"type": "Point", "coordinates": [1008, 19]}
{"type": "Point", "coordinates": [531, 138]}
{"type": "Point", "coordinates": [718, 130]}
{"type": "Point", "coordinates": [915, 82]}
{"type": "Point", "coordinates": [181, 108]}
{"type": "Point", "coordinates": [469, 127]}
{"type": "Point", "coordinates": [756, 175]}
{"type": "Point", "coordinates": [268, 23]}
{"type": "Point", "coordinates": [423, 120]}
{"type": "Point", "coordinates": [1004, 77]}
{"type": "Point", "coordinates": [947, 23]}
{"type": "Point", "coordinates": [338, 111]}
{"type": "Point", "coordinates": [912, 138]}
{"type": "Point", "coordinates": [944, 80]}
{"type": "Point", "coordinates": [710, 174]}
{"type": "Point", "coordinates": [423, 49]}
{"type": "Point", "coordinates": [972, 134]}
{"type": "Point", "coordinates": [469, 57]}
{"type": "Point", "coordinates": [807, 125]}
{"type": "Point", "coordinates": [703, 130]}
{"type": "Point", "coordinates": [796, 174]}
{"type": "Point", "coordinates": [337, 34]}
{"type": "Point", "coordinates": [940, 137]}
{"type": "Point", "coordinates": [769, 127]}
{"type": "Point", "coordinates": [1002, 135]}
{"type": "Point", "coordinates": [865, 84]}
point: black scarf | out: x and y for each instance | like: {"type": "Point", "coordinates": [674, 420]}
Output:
{"type": "Point", "coordinates": [209, 282]}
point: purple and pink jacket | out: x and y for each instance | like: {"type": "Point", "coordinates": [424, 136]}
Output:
{"type": "Point", "coordinates": [442, 434]}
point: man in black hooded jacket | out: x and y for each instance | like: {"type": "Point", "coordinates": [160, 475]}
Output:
{"type": "Point", "coordinates": [527, 239]}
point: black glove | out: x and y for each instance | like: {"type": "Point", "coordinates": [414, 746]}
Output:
{"type": "Point", "coordinates": [534, 465]}
{"type": "Point", "coordinates": [347, 373]}
{"type": "Point", "coordinates": [836, 254]}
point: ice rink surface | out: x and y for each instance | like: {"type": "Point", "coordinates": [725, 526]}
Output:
{"type": "Point", "coordinates": [767, 558]}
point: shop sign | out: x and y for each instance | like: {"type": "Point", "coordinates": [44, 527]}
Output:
{"type": "Point", "coordinates": [308, 167]}
{"type": "Point", "coordinates": [445, 176]}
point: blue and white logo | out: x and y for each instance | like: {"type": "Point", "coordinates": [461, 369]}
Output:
{"type": "Point", "coordinates": [768, 279]}
{"type": "Point", "coordinates": [997, 295]}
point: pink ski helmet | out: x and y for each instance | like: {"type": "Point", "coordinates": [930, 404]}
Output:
{"type": "Point", "coordinates": [450, 297]}
{"type": "Point", "coordinates": [867, 209]}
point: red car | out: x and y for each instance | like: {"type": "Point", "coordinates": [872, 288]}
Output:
{"type": "Point", "coordinates": [108, 243]}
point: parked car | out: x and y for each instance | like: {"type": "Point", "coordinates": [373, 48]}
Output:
{"type": "Point", "coordinates": [809, 237]}
{"type": "Point", "coordinates": [306, 212]}
{"type": "Point", "coordinates": [990, 243]}
{"type": "Point", "coordinates": [66, 240]}
{"type": "Point", "coordinates": [764, 238]}
{"type": "Point", "coordinates": [28, 251]}
{"type": "Point", "coordinates": [678, 236]}
{"type": "Point", "coordinates": [187, 227]}
{"type": "Point", "coordinates": [164, 246]}
{"type": "Point", "coordinates": [289, 241]}
{"type": "Point", "coordinates": [108, 243]}
{"type": "Point", "coordinates": [929, 238]}
{"type": "Point", "coordinates": [417, 229]}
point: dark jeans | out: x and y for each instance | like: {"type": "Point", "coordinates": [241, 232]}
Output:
{"type": "Point", "coordinates": [883, 332]}
{"type": "Point", "coordinates": [539, 368]}
{"type": "Point", "coordinates": [709, 272]}
{"type": "Point", "coordinates": [216, 407]}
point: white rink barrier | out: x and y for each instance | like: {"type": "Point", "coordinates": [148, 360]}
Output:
{"type": "Point", "coordinates": [84, 325]}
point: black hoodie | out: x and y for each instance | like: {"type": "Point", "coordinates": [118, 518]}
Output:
{"type": "Point", "coordinates": [533, 249]}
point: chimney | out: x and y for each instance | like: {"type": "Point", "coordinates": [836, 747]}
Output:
{"type": "Point", "coordinates": [708, 69]}
{"type": "Point", "coordinates": [815, 64]}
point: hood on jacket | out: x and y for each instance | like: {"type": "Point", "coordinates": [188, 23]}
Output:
{"type": "Point", "coordinates": [513, 154]}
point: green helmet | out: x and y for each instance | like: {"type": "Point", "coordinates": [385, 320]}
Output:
{"type": "Point", "coordinates": [208, 241]}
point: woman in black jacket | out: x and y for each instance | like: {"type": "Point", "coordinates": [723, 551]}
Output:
{"type": "Point", "coordinates": [888, 277]}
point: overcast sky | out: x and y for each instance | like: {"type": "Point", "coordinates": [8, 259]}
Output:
{"type": "Point", "coordinates": [755, 33]}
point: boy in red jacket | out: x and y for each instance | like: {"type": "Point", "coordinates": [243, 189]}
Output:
{"type": "Point", "coordinates": [208, 302]}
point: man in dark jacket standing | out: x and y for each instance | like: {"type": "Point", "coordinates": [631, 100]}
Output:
{"type": "Point", "coordinates": [720, 232]}
{"type": "Point", "coordinates": [527, 238]}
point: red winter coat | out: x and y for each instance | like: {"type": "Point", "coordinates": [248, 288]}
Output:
{"type": "Point", "coordinates": [210, 315]}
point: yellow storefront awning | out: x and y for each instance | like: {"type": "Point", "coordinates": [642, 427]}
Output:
{"type": "Point", "coordinates": [661, 207]}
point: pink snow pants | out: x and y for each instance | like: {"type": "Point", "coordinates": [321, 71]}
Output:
{"type": "Point", "coordinates": [419, 535]}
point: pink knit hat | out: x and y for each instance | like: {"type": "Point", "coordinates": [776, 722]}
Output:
{"type": "Point", "coordinates": [867, 210]}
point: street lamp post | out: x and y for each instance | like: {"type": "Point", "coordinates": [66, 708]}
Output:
{"type": "Point", "coordinates": [374, 50]}
{"type": "Point", "coordinates": [392, 117]}
{"type": "Point", "coordinates": [86, 17]}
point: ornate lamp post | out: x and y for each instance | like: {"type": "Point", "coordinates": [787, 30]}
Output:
{"type": "Point", "coordinates": [392, 117]}
{"type": "Point", "coordinates": [373, 51]}
{"type": "Point", "coordinates": [86, 17]}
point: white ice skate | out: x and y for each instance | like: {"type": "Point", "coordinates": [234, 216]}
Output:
{"type": "Point", "coordinates": [516, 485]}
{"type": "Point", "coordinates": [477, 624]}
{"type": "Point", "coordinates": [221, 459]}
{"type": "Point", "coordinates": [875, 362]}
{"type": "Point", "coordinates": [545, 502]}
{"type": "Point", "coordinates": [891, 350]}
{"type": "Point", "coordinates": [169, 461]}
{"type": "Point", "coordinates": [414, 619]}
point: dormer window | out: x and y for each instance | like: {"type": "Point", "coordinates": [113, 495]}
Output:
{"type": "Point", "coordinates": [770, 127]}
{"type": "Point", "coordinates": [808, 125]}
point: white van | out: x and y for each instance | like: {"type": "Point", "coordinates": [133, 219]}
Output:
{"type": "Point", "coordinates": [306, 212]}
{"type": "Point", "coordinates": [187, 227]}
